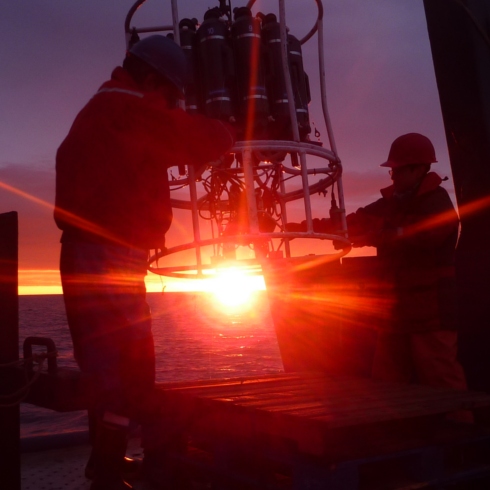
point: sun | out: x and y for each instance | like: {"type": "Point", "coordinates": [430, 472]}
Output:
{"type": "Point", "coordinates": [233, 287]}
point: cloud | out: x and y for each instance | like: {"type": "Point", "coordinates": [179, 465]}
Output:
{"type": "Point", "coordinates": [29, 190]}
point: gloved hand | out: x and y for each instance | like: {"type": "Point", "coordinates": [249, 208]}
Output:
{"type": "Point", "coordinates": [323, 225]}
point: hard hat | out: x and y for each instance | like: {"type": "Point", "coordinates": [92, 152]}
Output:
{"type": "Point", "coordinates": [166, 57]}
{"type": "Point", "coordinates": [409, 149]}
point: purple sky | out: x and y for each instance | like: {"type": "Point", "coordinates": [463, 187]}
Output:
{"type": "Point", "coordinates": [55, 53]}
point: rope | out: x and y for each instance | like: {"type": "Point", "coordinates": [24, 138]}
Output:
{"type": "Point", "coordinates": [21, 394]}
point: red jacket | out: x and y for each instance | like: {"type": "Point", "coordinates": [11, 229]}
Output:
{"type": "Point", "coordinates": [415, 236]}
{"type": "Point", "coordinates": [111, 169]}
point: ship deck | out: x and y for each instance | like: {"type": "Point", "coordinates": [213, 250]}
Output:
{"type": "Point", "coordinates": [308, 431]}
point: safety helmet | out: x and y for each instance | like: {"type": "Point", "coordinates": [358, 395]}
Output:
{"type": "Point", "coordinates": [409, 149]}
{"type": "Point", "coordinates": [166, 57]}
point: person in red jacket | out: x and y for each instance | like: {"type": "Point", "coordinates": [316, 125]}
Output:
{"type": "Point", "coordinates": [113, 206]}
{"type": "Point", "coordinates": [414, 228]}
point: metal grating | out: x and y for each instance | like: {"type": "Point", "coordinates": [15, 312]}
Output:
{"type": "Point", "coordinates": [61, 469]}
{"type": "Point", "coordinates": [55, 469]}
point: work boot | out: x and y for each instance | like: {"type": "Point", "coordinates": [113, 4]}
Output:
{"type": "Point", "coordinates": [108, 458]}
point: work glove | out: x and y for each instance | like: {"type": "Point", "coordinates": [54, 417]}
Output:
{"type": "Point", "coordinates": [323, 225]}
{"type": "Point", "coordinates": [296, 227]}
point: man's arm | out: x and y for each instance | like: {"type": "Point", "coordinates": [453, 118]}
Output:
{"type": "Point", "coordinates": [184, 139]}
{"type": "Point", "coordinates": [366, 226]}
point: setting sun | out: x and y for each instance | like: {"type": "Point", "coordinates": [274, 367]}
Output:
{"type": "Point", "coordinates": [233, 287]}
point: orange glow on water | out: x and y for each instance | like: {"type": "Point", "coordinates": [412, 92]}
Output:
{"type": "Point", "coordinates": [39, 281]}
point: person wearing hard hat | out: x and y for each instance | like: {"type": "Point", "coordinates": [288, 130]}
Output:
{"type": "Point", "coordinates": [414, 228]}
{"type": "Point", "coordinates": [113, 206]}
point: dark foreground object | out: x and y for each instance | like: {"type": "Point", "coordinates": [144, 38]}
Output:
{"type": "Point", "coordinates": [10, 391]}
{"type": "Point", "coordinates": [458, 33]}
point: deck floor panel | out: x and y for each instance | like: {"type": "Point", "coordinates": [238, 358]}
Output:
{"type": "Point", "coordinates": [353, 415]}
{"type": "Point", "coordinates": [320, 388]}
{"type": "Point", "coordinates": [343, 402]}
{"type": "Point", "coordinates": [315, 411]}
{"type": "Point", "coordinates": [295, 385]}
{"type": "Point", "coordinates": [331, 432]}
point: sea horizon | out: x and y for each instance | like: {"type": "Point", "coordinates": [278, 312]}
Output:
{"type": "Point", "coordinates": [196, 338]}
{"type": "Point", "coordinates": [47, 282]}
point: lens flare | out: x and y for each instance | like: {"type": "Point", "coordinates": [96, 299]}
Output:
{"type": "Point", "coordinates": [233, 287]}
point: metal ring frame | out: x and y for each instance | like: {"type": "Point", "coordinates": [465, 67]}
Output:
{"type": "Point", "coordinates": [333, 171]}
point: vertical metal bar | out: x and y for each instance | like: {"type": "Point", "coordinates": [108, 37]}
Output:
{"type": "Point", "coordinates": [287, 73]}
{"type": "Point", "coordinates": [9, 350]}
{"type": "Point", "coordinates": [323, 90]}
{"type": "Point", "coordinates": [195, 217]}
{"type": "Point", "coordinates": [340, 195]}
{"type": "Point", "coordinates": [284, 217]}
{"type": "Point", "coordinates": [248, 173]}
{"type": "Point", "coordinates": [328, 122]}
{"type": "Point", "coordinates": [175, 21]}
{"type": "Point", "coordinates": [306, 190]}
{"type": "Point", "coordinates": [191, 171]}
{"type": "Point", "coordinates": [292, 111]}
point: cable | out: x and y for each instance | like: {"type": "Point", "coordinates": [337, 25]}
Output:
{"type": "Point", "coordinates": [315, 27]}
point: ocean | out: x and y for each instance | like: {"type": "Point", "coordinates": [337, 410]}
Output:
{"type": "Point", "coordinates": [196, 337]}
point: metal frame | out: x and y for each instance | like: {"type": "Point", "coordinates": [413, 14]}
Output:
{"type": "Point", "coordinates": [333, 170]}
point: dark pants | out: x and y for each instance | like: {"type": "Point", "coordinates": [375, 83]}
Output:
{"type": "Point", "coordinates": [110, 324]}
